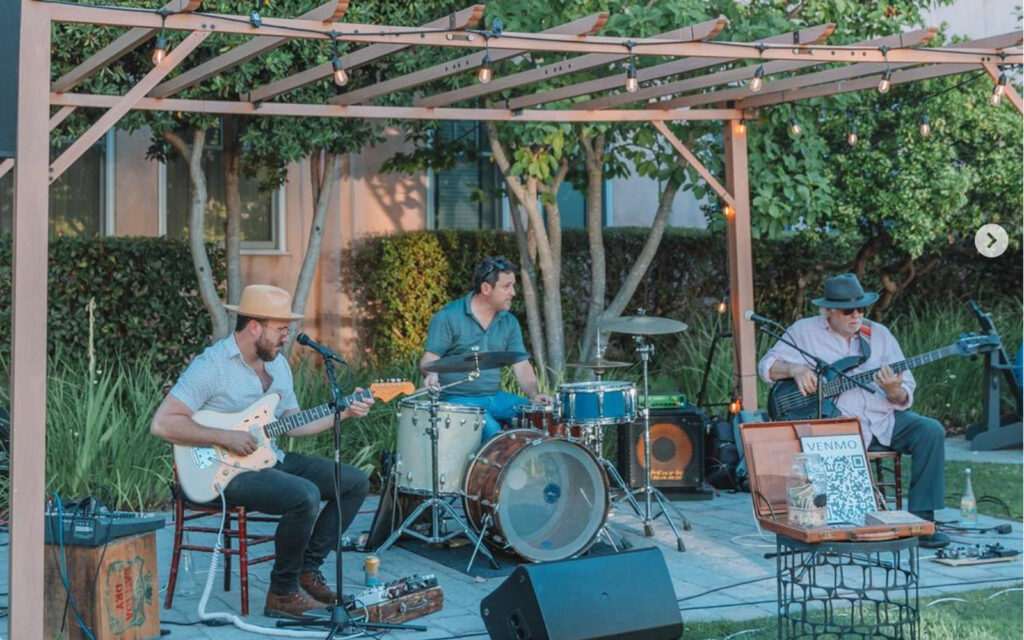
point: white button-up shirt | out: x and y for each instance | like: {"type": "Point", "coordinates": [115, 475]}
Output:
{"type": "Point", "coordinates": [816, 336]}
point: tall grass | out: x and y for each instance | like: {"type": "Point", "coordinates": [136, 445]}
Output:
{"type": "Point", "coordinates": [98, 441]}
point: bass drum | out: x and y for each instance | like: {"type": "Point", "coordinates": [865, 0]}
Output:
{"type": "Point", "coordinates": [538, 497]}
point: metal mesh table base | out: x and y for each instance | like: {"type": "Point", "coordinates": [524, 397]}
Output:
{"type": "Point", "coordinates": [834, 590]}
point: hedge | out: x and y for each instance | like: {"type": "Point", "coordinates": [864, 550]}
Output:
{"type": "Point", "coordinates": [398, 281]}
{"type": "Point", "coordinates": [147, 302]}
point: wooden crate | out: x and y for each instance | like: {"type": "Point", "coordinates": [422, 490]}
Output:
{"type": "Point", "coordinates": [769, 448]}
{"type": "Point", "coordinates": [116, 588]}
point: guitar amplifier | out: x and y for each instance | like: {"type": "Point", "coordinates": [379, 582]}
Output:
{"type": "Point", "coordinates": [677, 450]}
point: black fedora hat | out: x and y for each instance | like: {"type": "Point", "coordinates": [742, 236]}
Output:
{"type": "Point", "coordinates": [844, 292]}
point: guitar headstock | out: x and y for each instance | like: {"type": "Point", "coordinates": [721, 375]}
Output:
{"type": "Point", "coordinates": [972, 343]}
{"type": "Point", "coordinates": [388, 390]}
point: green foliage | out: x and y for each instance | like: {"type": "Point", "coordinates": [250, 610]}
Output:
{"type": "Point", "coordinates": [688, 274]}
{"type": "Point", "coordinates": [145, 293]}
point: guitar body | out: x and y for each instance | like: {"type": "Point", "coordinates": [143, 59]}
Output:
{"type": "Point", "coordinates": [785, 401]}
{"type": "Point", "coordinates": [203, 472]}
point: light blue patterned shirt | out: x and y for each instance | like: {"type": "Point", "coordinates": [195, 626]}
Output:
{"type": "Point", "coordinates": [219, 379]}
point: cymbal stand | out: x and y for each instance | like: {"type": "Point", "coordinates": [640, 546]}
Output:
{"type": "Point", "coordinates": [438, 506]}
{"type": "Point", "coordinates": [650, 492]}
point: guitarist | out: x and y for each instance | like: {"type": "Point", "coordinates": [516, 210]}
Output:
{"type": "Point", "coordinates": [887, 423]}
{"type": "Point", "coordinates": [229, 376]}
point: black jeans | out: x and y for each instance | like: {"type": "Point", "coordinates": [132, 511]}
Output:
{"type": "Point", "coordinates": [293, 489]}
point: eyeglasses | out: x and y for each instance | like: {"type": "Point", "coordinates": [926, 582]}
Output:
{"type": "Point", "coordinates": [850, 312]}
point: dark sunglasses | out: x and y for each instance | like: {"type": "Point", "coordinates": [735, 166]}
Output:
{"type": "Point", "coordinates": [849, 312]}
{"type": "Point", "coordinates": [495, 264]}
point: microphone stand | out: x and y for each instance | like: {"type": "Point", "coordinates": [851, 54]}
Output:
{"type": "Point", "coordinates": [340, 621]}
{"type": "Point", "coordinates": [820, 366]}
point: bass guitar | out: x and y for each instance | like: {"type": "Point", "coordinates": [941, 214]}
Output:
{"type": "Point", "coordinates": [785, 402]}
{"type": "Point", "coordinates": [203, 472]}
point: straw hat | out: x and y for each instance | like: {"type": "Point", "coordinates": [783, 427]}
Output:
{"type": "Point", "coordinates": [265, 302]}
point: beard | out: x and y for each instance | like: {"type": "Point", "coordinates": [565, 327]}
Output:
{"type": "Point", "coordinates": [266, 352]}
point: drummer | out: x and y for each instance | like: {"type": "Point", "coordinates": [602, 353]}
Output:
{"type": "Point", "coordinates": [482, 320]}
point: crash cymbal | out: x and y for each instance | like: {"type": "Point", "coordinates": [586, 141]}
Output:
{"type": "Point", "coordinates": [643, 325]}
{"type": "Point", "coordinates": [466, 362]}
{"type": "Point", "coordinates": [599, 363]}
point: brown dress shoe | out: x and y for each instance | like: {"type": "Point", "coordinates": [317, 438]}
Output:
{"type": "Point", "coordinates": [315, 585]}
{"type": "Point", "coordinates": [290, 605]}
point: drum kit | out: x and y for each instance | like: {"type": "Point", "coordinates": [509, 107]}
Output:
{"type": "Point", "coordinates": [540, 489]}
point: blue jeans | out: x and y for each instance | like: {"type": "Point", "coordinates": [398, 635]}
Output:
{"type": "Point", "coordinates": [500, 407]}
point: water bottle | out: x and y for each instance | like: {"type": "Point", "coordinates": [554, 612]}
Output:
{"type": "Point", "coordinates": [968, 505]}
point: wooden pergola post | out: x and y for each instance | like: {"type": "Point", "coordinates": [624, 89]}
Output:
{"type": "Point", "coordinates": [741, 263]}
{"type": "Point", "coordinates": [28, 324]}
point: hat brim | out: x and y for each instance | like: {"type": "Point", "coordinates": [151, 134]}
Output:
{"type": "Point", "coordinates": [865, 300]}
{"type": "Point", "coordinates": [263, 316]}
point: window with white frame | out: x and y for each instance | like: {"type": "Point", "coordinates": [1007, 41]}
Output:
{"type": "Point", "coordinates": [81, 199]}
{"type": "Point", "coordinates": [262, 211]}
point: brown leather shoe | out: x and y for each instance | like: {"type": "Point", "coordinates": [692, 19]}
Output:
{"type": "Point", "coordinates": [290, 605]}
{"type": "Point", "coordinates": [316, 585]}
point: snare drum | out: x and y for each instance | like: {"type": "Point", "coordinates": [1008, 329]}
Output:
{"type": "Point", "coordinates": [541, 498]}
{"type": "Point", "coordinates": [459, 434]}
{"type": "Point", "coordinates": [597, 403]}
{"type": "Point", "coordinates": [543, 418]}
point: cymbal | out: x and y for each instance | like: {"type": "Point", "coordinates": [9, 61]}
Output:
{"type": "Point", "coordinates": [643, 325]}
{"type": "Point", "coordinates": [599, 363]}
{"type": "Point", "coordinates": [466, 362]}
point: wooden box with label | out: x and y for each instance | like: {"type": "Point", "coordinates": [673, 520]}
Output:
{"type": "Point", "coordinates": [116, 589]}
{"type": "Point", "coordinates": [769, 448]}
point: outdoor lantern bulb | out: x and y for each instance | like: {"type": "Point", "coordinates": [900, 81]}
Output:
{"type": "Point", "coordinates": [794, 128]}
{"type": "Point", "coordinates": [632, 84]}
{"type": "Point", "coordinates": [721, 307]}
{"type": "Point", "coordinates": [851, 138]}
{"type": "Point", "coordinates": [926, 127]}
{"type": "Point", "coordinates": [998, 91]}
{"type": "Point", "coordinates": [757, 82]}
{"type": "Point", "coordinates": [485, 74]}
{"type": "Point", "coordinates": [160, 49]}
{"type": "Point", "coordinates": [729, 212]}
{"type": "Point", "coordinates": [741, 128]}
{"type": "Point", "coordinates": [886, 82]}
{"type": "Point", "coordinates": [735, 406]}
{"type": "Point", "coordinates": [340, 75]}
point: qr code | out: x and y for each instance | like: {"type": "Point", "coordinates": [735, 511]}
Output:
{"type": "Point", "coordinates": [849, 489]}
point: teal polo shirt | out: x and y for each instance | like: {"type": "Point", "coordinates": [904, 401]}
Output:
{"type": "Point", "coordinates": [454, 330]}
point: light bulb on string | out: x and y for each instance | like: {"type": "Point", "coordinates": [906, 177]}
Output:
{"type": "Point", "coordinates": [741, 127]}
{"type": "Point", "coordinates": [632, 84]}
{"type": "Point", "coordinates": [159, 49]}
{"type": "Point", "coordinates": [851, 137]}
{"type": "Point", "coordinates": [794, 127]}
{"type": "Point", "coordinates": [339, 75]}
{"type": "Point", "coordinates": [886, 82]}
{"type": "Point", "coordinates": [757, 82]}
{"type": "Point", "coordinates": [485, 73]}
{"type": "Point", "coordinates": [925, 127]}
{"type": "Point", "coordinates": [998, 91]}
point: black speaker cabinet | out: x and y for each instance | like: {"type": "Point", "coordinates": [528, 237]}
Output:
{"type": "Point", "coordinates": [677, 450]}
{"type": "Point", "coordinates": [625, 596]}
{"type": "Point", "coordinates": [10, 34]}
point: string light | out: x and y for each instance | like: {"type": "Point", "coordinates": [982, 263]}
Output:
{"type": "Point", "coordinates": [851, 137]}
{"type": "Point", "coordinates": [757, 82]}
{"type": "Point", "coordinates": [926, 127]}
{"type": "Point", "coordinates": [794, 127]}
{"type": "Point", "coordinates": [796, 42]}
{"type": "Point", "coordinates": [735, 406]}
{"type": "Point", "coordinates": [340, 76]}
{"type": "Point", "coordinates": [632, 84]}
{"type": "Point", "coordinates": [729, 212]}
{"type": "Point", "coordinates": [998, 91]}
{"type": "Point", "coordinates": [485, 73]}
{"type": "Point", "coordinates": [721, 308]}
{"type": "Point", "coordinates": [741, 127]}
{"type": "Point", "coordinates": [160, 48]}
{"type": "Point", "coordinates": [886, 82]}
{"type": "Point", "coordinates": [254, 16]}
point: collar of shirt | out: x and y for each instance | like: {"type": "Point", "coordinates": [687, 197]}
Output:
{"type": "Point", "coordinates": [467, 304]}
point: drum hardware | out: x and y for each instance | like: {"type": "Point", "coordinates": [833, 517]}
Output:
{"type": "Point", "coordinates": [474, 361]}
{"type": "Point", "coordinates": [435, 502]}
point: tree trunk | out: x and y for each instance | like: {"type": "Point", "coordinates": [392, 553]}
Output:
{"type": "Point", "coordinates": [233, 204]}
{"type": "Point", "coordinates": [593, 151]}
{"type": "Point", "coordinates": [528, 279]}
{"type": "Point", "coordinates": [324, 174]}
{"type": "Point", "coordinates": [196, 235]}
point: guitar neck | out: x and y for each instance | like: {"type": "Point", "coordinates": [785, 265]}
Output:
{"type": "Point", "coordinates": [842, 385]}
{"type": "Point", "coordinates": [296, 420]}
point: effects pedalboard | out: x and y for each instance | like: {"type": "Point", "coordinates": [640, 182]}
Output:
{"type": "Point", "coordinates": [960, 555]}
{"type": "Point", "coordinates": [400, 600]}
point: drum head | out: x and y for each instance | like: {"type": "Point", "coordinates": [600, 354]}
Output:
{"type": "Point", "coordinates": [553, 500]}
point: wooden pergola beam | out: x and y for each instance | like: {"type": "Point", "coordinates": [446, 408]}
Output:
{"type": "Point", "coordinates": [1009, 90]}
{"type": "Point", "coordinates": [694, 162]}
{"type": "Point", "coordinates": [328, 12]}
{"type": "Point", "coordinates": [821, 77]}
{"type": "Point", "coordinates": [224, 107]}
{"type": "Point", "coordinates": [307, 29]}
{"type": "Point", "coordinates": [813, 34]}
{"type": "Point", "coordinates": [464, 19]}
{"type": "Point", "coordinates": [583, 26]}
{"type": "Point", "coordinates": [741, 74]}
{"type": "Point", "coordinates": [702, 31]}
{"type": "Point", "coordinates": [123, 104]}
{"type": "Point", "coordinates": [122, 46]}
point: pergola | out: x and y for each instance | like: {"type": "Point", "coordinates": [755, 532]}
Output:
{"type": "Point", "coordinates": [671, 91]}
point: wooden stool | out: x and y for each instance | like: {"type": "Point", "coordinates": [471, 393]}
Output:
{"type": "Point", "coordinates": [877, 460]}
{"type": "Point", "coordinates": [184, 510]}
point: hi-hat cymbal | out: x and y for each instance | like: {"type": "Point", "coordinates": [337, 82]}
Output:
{"type": "Point", "coordinates": [466, 362]}
{"type": "Point", "coordinates": [643, 325]}
{"type": "Point", "coordinates": [599, 363]}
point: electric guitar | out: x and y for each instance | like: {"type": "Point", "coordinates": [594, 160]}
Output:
{"type": "Point", "coordinates": [203, 472]}
{"type": "Point", "coordinates": [785, 402]}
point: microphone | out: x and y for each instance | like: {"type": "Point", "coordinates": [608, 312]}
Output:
{"type": "Point", "coordinates": [325, 352]}
{"type": "Point", "coordinates": [758, 319]}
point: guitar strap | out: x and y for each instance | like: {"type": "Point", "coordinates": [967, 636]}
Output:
{"type": "Point", "coordinates": [864, 336]}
